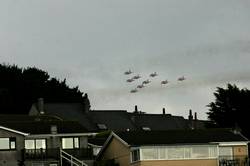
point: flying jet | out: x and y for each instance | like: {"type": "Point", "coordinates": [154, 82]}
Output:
{"type": "Point", "coordinates": [130, 80]}
{"type": "Point", "coordinates": [134, 90]}
{"type": "Point", "coordinates": [181, 78]}
{"type": "Point", "coordinates": [128, 72]}
{"type": "Point", "coordinates": [146, 82]}
{"type": "Point", "coordinates": [137, 77]}
{"type": "Point", "coordinates": [164, 82]}
{"type": "Point", "coordinates": [153, 74]}
{"type": "Point", "coordinates": [140, 86]}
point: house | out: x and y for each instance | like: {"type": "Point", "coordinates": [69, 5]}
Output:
{"type": "Point", "coordinates": [115, 120]}
{"type": "Point", "coordinates": [209, 147]}
{"type": "Point", "coordinates": [43, 140]}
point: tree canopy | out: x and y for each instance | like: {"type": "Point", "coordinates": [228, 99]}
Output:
{"type": "Point", "coordinates": [20, 87]}
{"type": "Point", "coordinates": [231, 108]}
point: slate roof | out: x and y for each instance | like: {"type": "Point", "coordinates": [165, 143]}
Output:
{"type": "Point", "coordinates": [159, 121]}
{"type": "Point", "coordinates": [40, 124]}
{"type": "Point", "coordinates": [42, 127]}
{"type": "Point", "coordinates": [114, 120]}
{"type": "Point", "coordinates": [70, 111]}
{"type": "Point", "coordinates": [180, 137]}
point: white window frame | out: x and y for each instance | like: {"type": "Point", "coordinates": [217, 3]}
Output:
{"type": "Point", "coordinates": [35, 143]}
{"type": "Point", "coordinates": [76, 144]}
{"type": "Point", "coordinates": [9, 141]}
{"type": "Point", "coordinates": [212, 152]}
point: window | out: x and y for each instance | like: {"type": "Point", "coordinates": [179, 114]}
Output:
{"type": "Point", "coordinates": [7, 143]}
{"type": "Point", "coordinates": [12, 143]}
{"type": "Point", "coordinates": [35, 144]}
{"type": "Point", "coordinates": [226, 152]}
{"type": "Point", "coordinates": [175, 153]}
{"type": "Point", "coordinates": [70, 143]}
{"type": "Point", "coordinates": [102, 126]}
{"type": "Point", "coordinates": [146, 128]}
{"type": "Point", "coordinates": [135, 154]}
{"type": "Point", "coordinates": [149, 153]}
{"type": "Point", "coordinates": [178, 152]}
{"type": "Point", "coordinates": [200, 152]}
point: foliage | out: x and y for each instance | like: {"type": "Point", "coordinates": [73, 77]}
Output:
{"type": "Point", "coordinates": [230, 108]}
{"type": "Point", "coordinates": [20, 87]}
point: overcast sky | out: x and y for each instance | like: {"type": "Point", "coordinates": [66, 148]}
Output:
{"type": "Point", "coordinates": [92, 43]}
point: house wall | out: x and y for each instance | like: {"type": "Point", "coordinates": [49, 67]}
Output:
{"type": "Point", "coordinates": [203, 162]}
{"type": "Point", "coordinates": [240, 150]}
{"type": "Point", "coordinates": [55, 141]}
{"type": "Point", "coordinates": [118, 151]}
{"type": "Point", "coordinates": [83, 142]}
{"type": "Point", "coordinates": [10, 157]}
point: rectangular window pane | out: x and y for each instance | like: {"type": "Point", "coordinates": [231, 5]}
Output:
{"type": "Point", "coordinates": [187, 153]}
{"type": "Point", "coordinates": [40, 144]}
{"type": "Point", "coordinates": [12, 145]}
{"type": "Point", "coordinates": [67, 143]}
{"type": "Point", "coordinates": [213, 152]}
{"type": "Point", "coordinates": [135, 155]}
{"type": "Point", "coordinates": [225, 151]}
{"type": "Point", "coordinates": [200, 152]}
{"type": "Point", "coordinates": [76, 142]}
{"type": "Point", "coordinates": [29, 144]}
{"type": "Point", "coordinates": [149, 153]}
{"type": "Point", "coordinates": [4, 143]}
{"type": "Point", "coordinates": [175, 153]}
{"type": "Point", "coordinates": [162, 153]}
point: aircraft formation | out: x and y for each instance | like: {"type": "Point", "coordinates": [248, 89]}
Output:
{"type": "Point", "coordinates": [147, 81]}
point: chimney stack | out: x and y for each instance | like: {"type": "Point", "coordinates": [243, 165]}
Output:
{"type": "Point", "coordinates": [163, 111]}
{"type": "Point", "coordinates": [195, 116]}
{"type": "Point", "coordinates": [190, 116]}
{"type": "Point", "coordinates": [40, 106]}
{"type": "Point", "coordinates": [136, 109]}
{"type": "Point", "coordinates": [53, 129]}
{"type": "Point", "coordinates": [195, 120]}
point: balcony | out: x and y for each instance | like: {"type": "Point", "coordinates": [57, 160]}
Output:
{"type": "Point", "coordinates": [233, 161]}
{"type": "Point", "coordinates": [42, 154]}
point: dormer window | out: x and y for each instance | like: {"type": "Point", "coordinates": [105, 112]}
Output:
{"type": "Point", "coordinates": [146, 128]}
{"type": "Point", "coordinates": [102, 126]}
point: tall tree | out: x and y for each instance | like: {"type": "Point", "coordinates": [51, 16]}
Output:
{"type": "Point", "coordinates": [20, 87]}
{"type": "Point", "coordinates": [231, 108]}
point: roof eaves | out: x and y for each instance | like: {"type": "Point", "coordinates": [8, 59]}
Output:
{"type": "Point", "coordinates": [15, 131]}
{"type": "Point", "coordinates": [62, 134]}
{"type": "Point", "coordinates": [108, 141]}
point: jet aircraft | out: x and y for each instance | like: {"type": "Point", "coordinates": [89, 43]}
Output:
{"type": "Point", "coordinates": [181, 78]}
{"type": "Point", "coordinates": [130, 80]}
{"type": "Point", "coordinates": [134, 90]}
{"type": "Point", "coordinates": [164, 82]}
{"type": "Point", "coordinates": [153, 74]}
{"type": "Point", "coordinates": [128, 72]}
{"type": "Point", "coordinates": [137, 77]}
{"type": "Point", "coordinates": [146, 82]}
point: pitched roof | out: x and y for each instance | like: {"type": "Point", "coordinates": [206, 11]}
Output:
{"type": "Point", "coordinates": [40, 124]}
{"type": "Point", "coordinates": [180, 137]}
{"type": "Point", "coordinates": [44, 127]}
{"type": "Point", "coordinates": [114, 120]}
{"type": "Point", "coordinates": [70, 111]}
{"type": "Point", "coordinates": [159, 121]}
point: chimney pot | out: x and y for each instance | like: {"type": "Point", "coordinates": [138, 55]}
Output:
{"type": "Point", "coordinates": [163, 111]}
